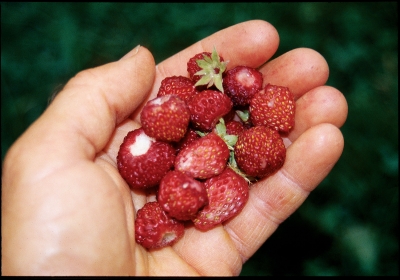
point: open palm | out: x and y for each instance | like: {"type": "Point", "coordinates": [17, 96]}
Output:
{"type": "Point", "coordinates": [67, 211]}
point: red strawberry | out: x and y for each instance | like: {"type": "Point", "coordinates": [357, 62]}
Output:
{"type": "Point", "coordinates": [143, 161]}
{"type": "Point", "coordinates": [193, 67]}
{"type": "Point", "coordinates": [207, 107]}
{"type": "Point", "coordinates": [181, 196]}
{"type": "Point", "coordinates": [241, 83]}
{"type": "Point", "coordinates": [259, 151]}
{"type": "Point", "coordinates": [165, 118]}
{"type": "Point", "coordinates": [155, 229]}
{"type": "Point", "coordinates": [273, 106]}
{"type": "Point", "coordinates": [230, 115]}
{"type": "Point", "coordinates": [227, 195]}
{"type": "Point", "coordinates": [190, 136]}
{"type": "Point", "coordinates": [207, 69]}
{"type": "Point", "coordinates": [203, 158]}
{"type": "Point", "coordinates": [234, 127]}
{"type": "Point", "coordinates": [178, 85]}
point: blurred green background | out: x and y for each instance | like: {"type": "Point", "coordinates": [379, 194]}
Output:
{"type": "Point", "coordinates": [349, 224]}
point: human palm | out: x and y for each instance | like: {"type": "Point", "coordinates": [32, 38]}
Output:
{"type": "Point", "coordinates": [67, 211]}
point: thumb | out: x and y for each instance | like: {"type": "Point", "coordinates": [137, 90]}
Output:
{"type": "Point", "coordinates": [96, 100]}
{"type": "Point", "coordinates": [83, 116]}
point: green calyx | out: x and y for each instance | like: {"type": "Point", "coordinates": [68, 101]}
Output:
{"type": "Point", "coordinates": [243, 115]}
{"type": "Point", "coordinates": [211, 71]}
{"type": "Point", "coordinates": [230, 141]}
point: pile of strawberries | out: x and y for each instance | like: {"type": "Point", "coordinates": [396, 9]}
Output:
{"type": "Point", "coordinates": [204, 139]}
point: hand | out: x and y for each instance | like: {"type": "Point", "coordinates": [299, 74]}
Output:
{"type": "Point", "coordinates": [67, 211]}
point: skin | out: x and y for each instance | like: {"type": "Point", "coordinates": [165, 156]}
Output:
{"type": "Point", "coordinates": [66, 210]}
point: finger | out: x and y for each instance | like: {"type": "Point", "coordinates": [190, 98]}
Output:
{"type": "Point", "coordinates": [81, 119]}
{"type": "Point", "coordinates": [323, 104]}
{"type": "Point", "coordinates": [166, 262]}
{"type": "Point", "coordinates": [102, 97]}
{"type": "Point", "coordinates": [249, 43]}
{"type": "Point", "coordinates": [204, 249]}
{"type": "Point", "coordinates": [309, 160]}
{"type": "Point", "coordinates": [300, 70]}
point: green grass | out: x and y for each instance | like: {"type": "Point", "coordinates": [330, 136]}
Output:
{"type": "Point", "coordinates": [349, 225]}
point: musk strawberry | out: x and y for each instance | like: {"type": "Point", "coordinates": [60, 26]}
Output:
{"type": "Point", "coordinates": [207, 107]}
{"type": "Point", "coordinates": [165, 118]}
{"type": "Point", "coordinates": [178, 85]}
{"type": "Point", "coordinates": [259, 151]}
{"type": "Point", "coordinates": [273, 106]}
{"type": "Point", "coordinates": [241, 83]}
{"type": "Point", "coordinates": [143, 161]}
{"type": "Point", "coordinates": [203, 158]}
{"type": "Point", "coordinates": [155, 229]}
{"type": "Point", "coordinates": [181, 196]}
{"type": "Point", "coordinates": [227, 195]}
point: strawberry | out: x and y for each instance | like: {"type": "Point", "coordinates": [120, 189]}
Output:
{"type": "Point", "coordinates": [203, 140]}
{"type": "Point", "coordinates": [207, 69]}
{"type": "Point", "coordinates": [234, 127]}
{"type": "Point", "coordinates": [155, 229]}
{"type": "Point", "coordinates": [207, 107]}
{"type": "Point", "coordinates": [273, 106]}
{"type": "Point", "coordinates": [241, 83]}
{"type": "Point", "coordinates": [181, 196]}
{"type": "Point", "coordinates": [203, 158]}
{"type": "Point", "coordinates": [178, 85]}
{"type": "Point", "coordinates": [189, 137]}
{"type": "Point", "coordinates": [143, 161]}
{"type": "Point", "coordinates": [230, 115]}
{"type": "Point", "coordinates": [193, 67]}
{"type": "Point", "coordinates": [165, 118]}
{"type": "Point", "coordinates": [227, 195]}
{"type": "Point", "coordinates": [259, 151]}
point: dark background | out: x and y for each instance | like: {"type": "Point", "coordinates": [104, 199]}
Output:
{"type": "Point", "coordinates": [349, 224]}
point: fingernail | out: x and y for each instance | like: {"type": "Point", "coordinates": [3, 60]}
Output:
{"type": "Point", "coordinates": [131, 53]}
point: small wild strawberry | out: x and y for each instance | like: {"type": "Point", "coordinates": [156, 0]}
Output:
{"type": "Point", "coordinates": [234, 127]}
{"type": "Point", "coordinates": [203, 140]}
{"type": "Point", "coordinates": [165, 118]}
{"type": "Point", "coordinates": [193, 67]}
{"type": "Point", "coordinates": [203, 158]}
{"type": "Point", "coordinates": [189, 137]}
{"type": "Point", "coordinates": [259, 151]}
{"type": "Point", "coordinates": [241, 83]}
{"type": "Point", "coordinates": [273, 106]}
{"type": "Point", "coordinates": [207, 107]}
{"type": "Point", "coordinates": [207, 69]}
{"type": "Point", "coordinates": [155, 229]}
{"type": "Point", "coordinates": [181, 196]}
{"type": "Point", "coordinates": [178, 85]}
{"type": "Point", "coordinates": [143, 161]}
{"type": "Point", "coordinates": [227, 193]}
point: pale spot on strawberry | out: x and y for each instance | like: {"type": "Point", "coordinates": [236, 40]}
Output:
{"type": "Point", "coordinates": [185, 163]}
{"type": "Point", "coordinates": [141, 145]}
{"type": "Point", "coordinates": [271, 103]}
{"type": "Point", "coordinates": [245, 78]}
{"type": "Point", "coordinates": [160, 100]}
{"type": "Point", "coordinates": [168, 237]}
